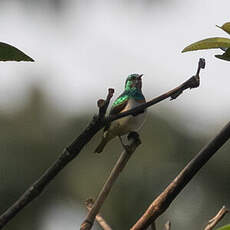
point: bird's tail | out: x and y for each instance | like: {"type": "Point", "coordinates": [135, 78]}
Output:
{"type": "Point", "coordinates": [101, 146]}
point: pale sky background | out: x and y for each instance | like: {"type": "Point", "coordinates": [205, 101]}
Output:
{"type": "Point", "coordinates": [94, 45]}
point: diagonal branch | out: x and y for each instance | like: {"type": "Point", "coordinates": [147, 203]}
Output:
{"type": "Point", "coordinates": [119, 166]}
{"type": "Point", "coordinates": [162, 202]}
{"type": "Point", "coordinates": [72, 151]}
{"type": "Point", "coordinates": [100, 220]}
{"type": "Point", "coordinates": [216, 219]}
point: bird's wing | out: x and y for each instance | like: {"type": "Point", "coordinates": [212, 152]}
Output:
{"type": "Point", "coordinates": [118, 106]}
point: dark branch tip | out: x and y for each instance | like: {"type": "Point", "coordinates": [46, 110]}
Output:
{"type": "Point", "coordinates": [202, 63]}
{"type": "Point", "coordinates": [110, 92]}
{"type": "Point", "coordinates": [100, 103]}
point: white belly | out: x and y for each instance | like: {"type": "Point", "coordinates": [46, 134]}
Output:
{"type": "Point", "coordinates": [130, 123]}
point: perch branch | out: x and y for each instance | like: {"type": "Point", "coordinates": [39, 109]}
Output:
{"type": "Point", "coordinates": [119, 166]}
{"type": "Point", "coordinates": [162, 202]}
{"type": "Point", "coordinates": [72, 151]}
{"type": "Point", "coordinates": [191, 83]}
{"type": "Point", "coordinates": [216, 219]}
{"type": "Point", "coordinates": [100, 220]}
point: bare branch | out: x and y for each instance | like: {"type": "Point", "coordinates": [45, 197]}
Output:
{"type": "Point", "coordinates": [119, 166]}
{"type": "Point", "coordinates": [72, 151]}
{"type": "Point", "coordinates": [162, 202]}
{"type": "Point", "coordinates": [100, 220]}
{"type": "Point", "coordinates": [216, 219]}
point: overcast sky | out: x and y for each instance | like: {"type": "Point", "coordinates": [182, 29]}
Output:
{"type": "Point", "coordinates": [93, 45]}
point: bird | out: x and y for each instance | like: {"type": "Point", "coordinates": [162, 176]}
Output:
{"type": "Point", "coordinates": [129, 99]}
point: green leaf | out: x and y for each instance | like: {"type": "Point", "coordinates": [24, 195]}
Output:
{"type": "Point", "coordinates": [11, 53]}
{"type": "Point", "coordinates": [225, 27]}
{"type": "Point", "coordinates": [209, 43]}
{"type": "Point", "coordinates": [225, 227]}
{"type": "Point", "coordinates": [225, 56]}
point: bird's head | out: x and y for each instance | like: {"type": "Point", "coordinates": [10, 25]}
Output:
{"type": "Point", "coordinates": [134, 81]}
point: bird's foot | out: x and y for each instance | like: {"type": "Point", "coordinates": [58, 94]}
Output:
{"type": "Point", "coordinates": [133, 135]}
{"type": "Point", "coordinates": [127, 147]}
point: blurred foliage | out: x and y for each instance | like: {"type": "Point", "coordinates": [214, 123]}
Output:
{"type": "Point", "coordinates": [213, 43]}
{"type": "Point", "coordinates": [225, 27]}
{"type": "Point", "coordinates": [32, 137]}
{"type": "Point", "coordinates": [11, 53]}
{"type": "Point", "coordinates": [226, 227]}
{"type": "Point", "coordinates": [225, 56]}
{"type": "Point", "coordinates": [59, 5]}
{"type": "Point", "coordinates": [56, 5]}
{"type": "Point", "coordinates": [209, 43]}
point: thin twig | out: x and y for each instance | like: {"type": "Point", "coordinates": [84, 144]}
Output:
{"type": "Point", "coordinates": [100, 220]}
{"type": "Point", "coordinates": [216, 219]}
{"type": "Point", "coordinates": [72, 151]}
{"type": "Point", "coordinates": [119, 166]}
{"type": "Point", "coordinates": [162, 202]}
{"type": "Point", "coordinates": [168, 225]}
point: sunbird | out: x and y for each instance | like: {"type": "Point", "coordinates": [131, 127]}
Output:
{"type": "Point", "coordinates": [130, 98]}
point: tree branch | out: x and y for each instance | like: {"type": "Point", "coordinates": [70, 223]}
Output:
{"type": "Point", "coordinates": [100, 220]}
{"type": "Point", "coordinates": [119, 166]}
{"type": "Point", "coordinates": [216, 219]}
{"type": "Point", "coordinates": [72, 151]}
{"type": "Point", "coordinates": [162, 202]}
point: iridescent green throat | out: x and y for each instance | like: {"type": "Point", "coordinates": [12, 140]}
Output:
{"type": "Point", "coordinates": [133, 91]}
{"type": "Point", "coordinates": [127, 94]}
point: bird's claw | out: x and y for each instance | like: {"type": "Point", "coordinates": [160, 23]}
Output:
{"type": "Point", "coordinates": [133, 135]}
